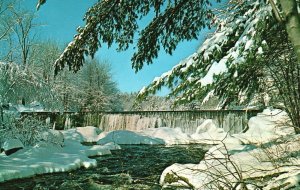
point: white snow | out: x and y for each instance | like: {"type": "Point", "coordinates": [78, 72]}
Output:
{"type": "Point", "coordinates": [83, 134]}
{"type": "Point", "coordinates": [248, 44]}
{"type": "Point", "coordinates": [260, 50]}
{"type": "Point", "coordinates": [89, 133]}
{"type": "Point", "coordinates": [128, 137]}
{"type": "Point", "coordinates": [209, 133]}
{"type": "Point", "coordinates": [143, 90]}
{"type": "Point", "coordinates": [54, 136]}
{"type": "Point", "coordinates": [160, 135]}
{"type": "Point", "coordinates": [73, 134]}
{"type": "Point", "coordinates": [49, 158]}
{"type": "Point", "coordinates": [207, 97]}
{"type": "Point", "coordinates": [268, 125]}
{"type": "Point", "coordinates": [274, 142]}
{"type": "Point", "coordinates": [32, 107]}
{"type": "Point", "coordinates": [169, 135]}
{"type": "Point", "coordinates": [215, 69]}
{"type": "Point", "coordinates": [12, 143]}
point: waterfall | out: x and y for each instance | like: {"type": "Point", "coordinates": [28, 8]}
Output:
{"type": "Point", "coordinates": [187, 121]}
{"type": "Point", "coordinates": [131, 122]}
{"type": "Point", "coordinates": [232, 121]}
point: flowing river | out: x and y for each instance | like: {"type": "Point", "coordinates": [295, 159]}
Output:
{"type": "Point", "coordinates": [134, 167]}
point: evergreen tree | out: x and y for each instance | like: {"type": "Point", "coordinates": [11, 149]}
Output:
{"type": "Point", "coordinates": [115, 21]}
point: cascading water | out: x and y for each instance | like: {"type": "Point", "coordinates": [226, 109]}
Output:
{"type": "Point", "coordinates": [188, 121]}
{"type": "Point", "coordinates": [232, 121]}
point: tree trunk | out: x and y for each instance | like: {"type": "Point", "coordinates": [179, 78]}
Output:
{"type": "Point", "coordinates": [297, 130]}
{"type": "Point", "coordinates": [291, 19]}
{"type": "Point", "coordinates": [292, 23]}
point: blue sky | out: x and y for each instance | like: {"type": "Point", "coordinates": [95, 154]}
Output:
{"type": "Point", "coordinates": [59, 20]}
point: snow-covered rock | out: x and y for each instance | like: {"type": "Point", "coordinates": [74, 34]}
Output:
{"type": "Point", "coordinates": [128, 137]}
{"type": "Point", "coordinates": [266, 126]}
{"type": "Point", "coordinates": [73, 134]}
{"type": "Point", "coordinates": [169, 135]}
{"type": "Point", "coordinates": [112, 146]}
{"type": "Point", "coordinates": [207, 126]}
{"type": "Point", "coordinates": [10, 146]}
{"type": "Point", "coordinates": [216, 169]}
{"type": "Point", "coordinates": [209, 133]}
{"type": "Point", "coordinates": [41, 159]}
{"type": "Point", "coordinates": [89, 133]}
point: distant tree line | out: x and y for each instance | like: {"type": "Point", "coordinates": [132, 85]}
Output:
{"type": "Point", "coordinates": [130, 102]}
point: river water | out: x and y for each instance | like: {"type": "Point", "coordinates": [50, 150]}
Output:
{"type": "Point", "coordinates": [134, 167]}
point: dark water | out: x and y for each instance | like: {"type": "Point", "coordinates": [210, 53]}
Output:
{"type": "Point", "coordinates": [134, 167]}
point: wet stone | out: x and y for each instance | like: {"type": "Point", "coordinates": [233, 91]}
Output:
{"type": "Point", "coordinates": [134, 167]}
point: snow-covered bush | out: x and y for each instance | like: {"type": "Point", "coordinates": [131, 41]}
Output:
{"type": "Point", "coordinates": [29, 131]}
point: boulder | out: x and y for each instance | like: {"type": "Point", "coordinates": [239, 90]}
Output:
{"type": "Point", "coordinates": [128, 137]}
{"type": "Point", "coordinates": [208, 126]}
{"type": "Point", "coordinates": [266, 126]}
{"type": "Point", "coordinates": [89, 133]}
{"type": "Point", "coordinates": [11, 146]}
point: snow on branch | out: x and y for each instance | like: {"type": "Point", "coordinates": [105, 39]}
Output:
{"type": "Point", "coordinates": [237, 39]}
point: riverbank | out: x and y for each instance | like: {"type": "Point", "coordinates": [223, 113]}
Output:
{"type": "Point", "coordinates": [267, 157]}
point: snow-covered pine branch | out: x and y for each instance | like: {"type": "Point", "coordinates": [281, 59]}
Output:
{"type": "Point", "coordinates": [237, 39]}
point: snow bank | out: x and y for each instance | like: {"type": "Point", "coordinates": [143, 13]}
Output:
{"type": "Point", "coordinates": [128, 137]}
{"type": "Point", "coordinates": [48, 158]}
{"type": "Point", "coordinates": [12, 143]}
{"type": "Point", "coordinates": [73, 134]}
{"type": "Point", "coordinates": [161, 135]}
{"type": "Point", "coordinates": [32, 107]}
{"type": "Point", "coordinates": [217, 170]}
{"type": "Point", "coordinates": [169, 135]}
{"type": "Point", "coordinates": [266, 126]}
{"type": "Point", "coordinates": [209, 133]}
{"type": "Point", "coordinates": [275, 153]}
{"type": "Point", "coordinates": [53, 136]}
{"type": "Point", "coordinates": [83, 134]}
{"type": "Point", "coordinates": [89, 133]}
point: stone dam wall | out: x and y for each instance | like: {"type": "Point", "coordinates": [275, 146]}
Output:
{"type": "Point", "coordinates": [232, 121]}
